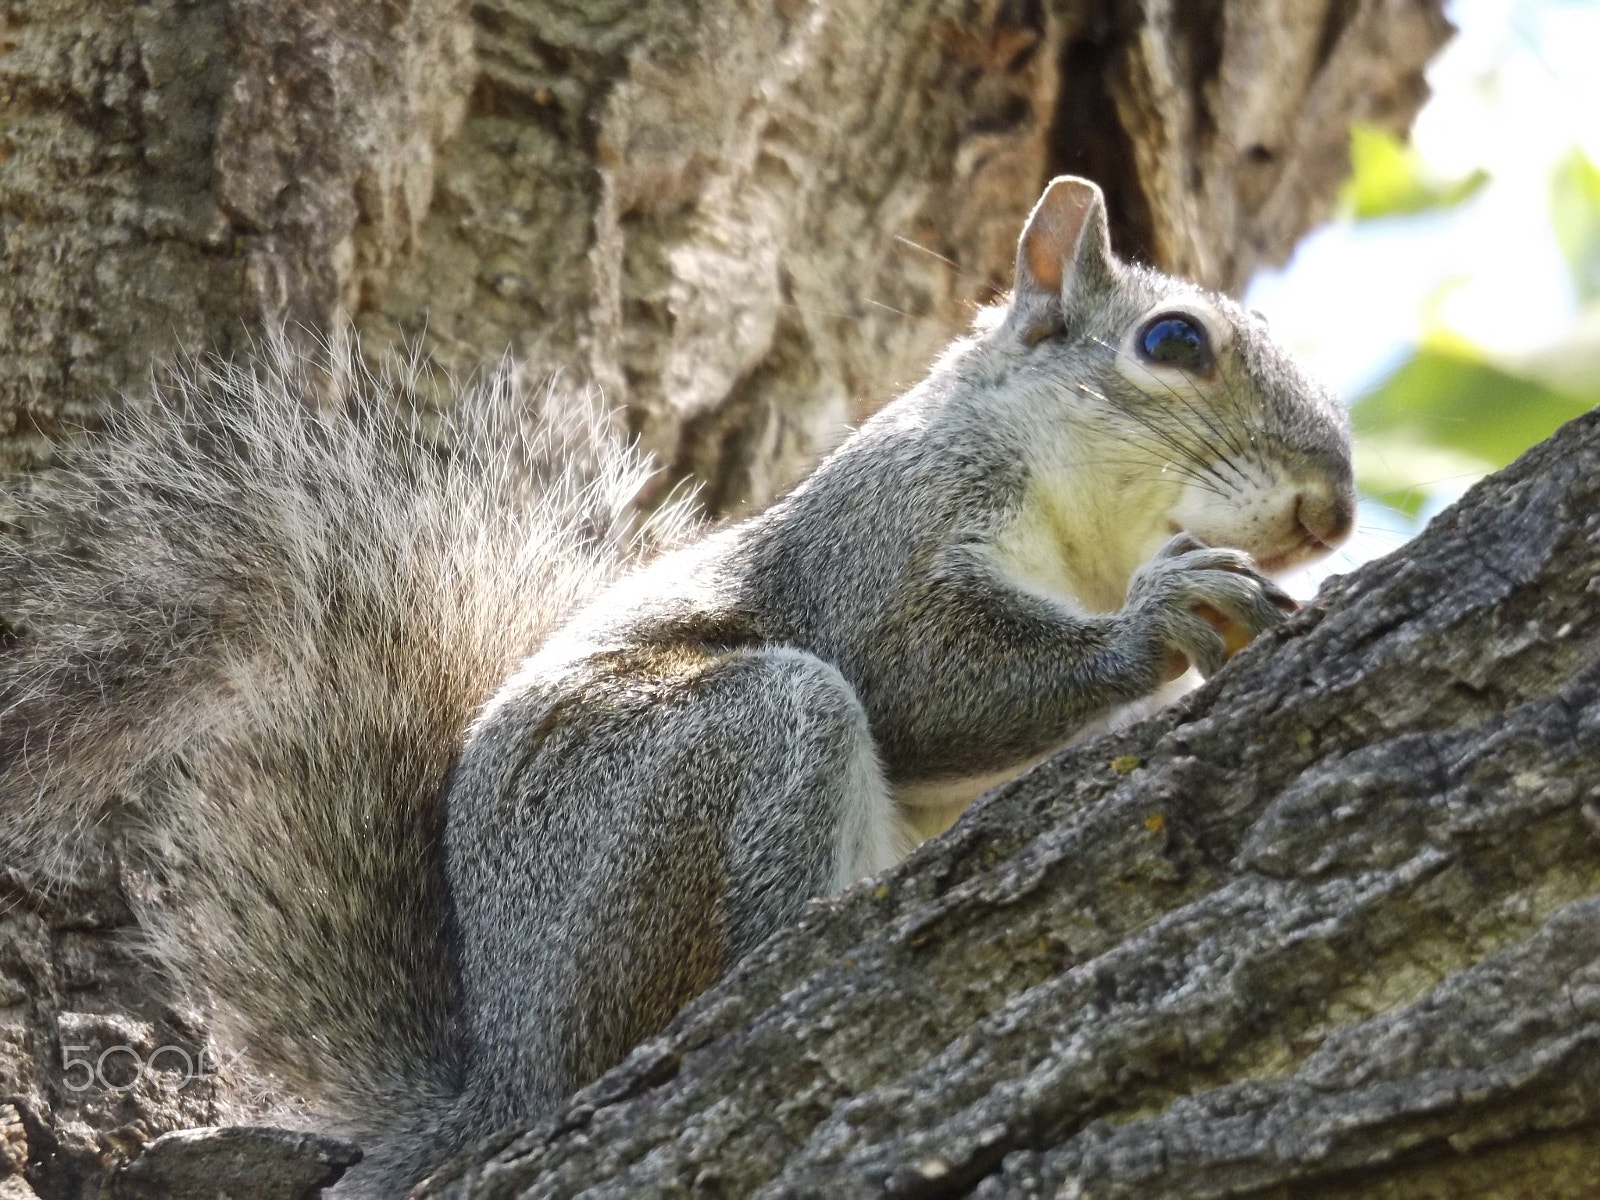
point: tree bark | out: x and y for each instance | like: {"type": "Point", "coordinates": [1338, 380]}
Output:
{"type": "Point", "coordinates": [1328, 928]}
{"type": "Point", "coordinates": [749, 223]}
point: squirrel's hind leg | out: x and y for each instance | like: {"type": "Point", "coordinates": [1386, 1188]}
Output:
{"type": "Point", "coordinates": [820, 788]}
{"type": "Point", "coordinates": [622, 829]}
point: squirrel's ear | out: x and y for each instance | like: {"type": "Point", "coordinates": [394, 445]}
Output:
{"type": "Point", "coordinates": [1065, 254]}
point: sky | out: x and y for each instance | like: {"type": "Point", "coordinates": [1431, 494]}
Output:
{"type": "Point", "coordinates": [1513, 92]}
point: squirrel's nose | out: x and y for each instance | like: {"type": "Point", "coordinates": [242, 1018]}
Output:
{"type": "Point", "coordinates": [1325, 518]}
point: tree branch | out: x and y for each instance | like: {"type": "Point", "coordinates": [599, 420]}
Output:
{"type": "Point", "coordinates": [1331, 923]}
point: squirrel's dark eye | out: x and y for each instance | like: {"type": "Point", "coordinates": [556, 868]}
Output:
{"type": "Point", "coordinates": [1173, 340]}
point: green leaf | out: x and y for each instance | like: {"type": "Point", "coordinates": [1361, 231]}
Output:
{"type": "Point", "coordinates": [1449, 414]}
{"type": "Point", "coordinates": [1389, 178]}
{"type": "Point", "coordinates": [1402, 470]}
{"type": "Point", "coordinates": [1575, 213]}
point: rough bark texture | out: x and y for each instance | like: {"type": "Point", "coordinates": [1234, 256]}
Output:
{"type": "Point", "coordinates": [749, 221]}
{"type": "Point", "coordinates": [1331, 927]}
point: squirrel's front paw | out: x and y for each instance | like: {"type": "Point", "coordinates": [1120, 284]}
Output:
{"type": "Point", "coordinates": [1204, 604]}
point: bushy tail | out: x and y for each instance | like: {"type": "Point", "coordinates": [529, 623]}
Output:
{"type": "Point", "coordinates": [253, 622]}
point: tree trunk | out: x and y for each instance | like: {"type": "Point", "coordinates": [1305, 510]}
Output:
{"type": "Point", "coordinates": [749, 223]}
{"type": "Point", "coordinates": [1328, 928]}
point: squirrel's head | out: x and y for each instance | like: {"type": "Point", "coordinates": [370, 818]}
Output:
{"type": "Point", "coordinates": [1160, 406]}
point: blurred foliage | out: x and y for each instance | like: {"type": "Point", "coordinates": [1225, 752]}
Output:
{"type": "Point", "coordinates": [1575, 214]}
{"type": "Point", "coordinates": [1450, 412]}
{"type": "Point", "coordinates": [1388, 178]}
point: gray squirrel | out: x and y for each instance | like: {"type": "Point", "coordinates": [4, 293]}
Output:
{"type": "Point", "coordinates": [460, 782]}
